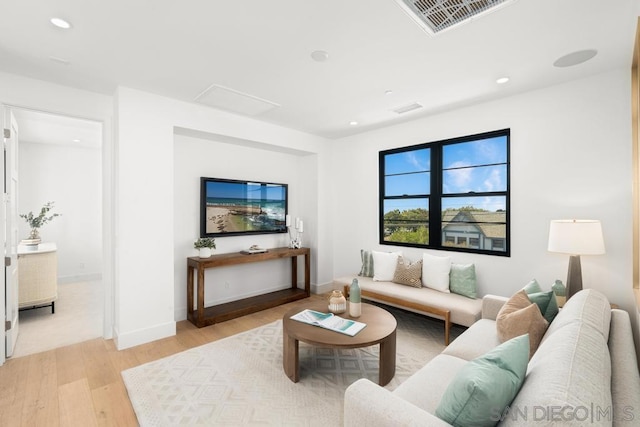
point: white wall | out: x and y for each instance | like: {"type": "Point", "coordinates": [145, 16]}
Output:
{"type": "Point", "coordinates": [197, 157]}
{"type": "Point", "coordinates": [570, 158]}
{"type": "Point", "coordinates": [145, 272]}
{"type": "Point", "coordinates": [71, 177]}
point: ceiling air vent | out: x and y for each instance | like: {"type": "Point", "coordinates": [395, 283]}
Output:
{"type": "Point", "coordinates": [407, 108]}
{"type": "Point", "coordinates": [439, 15]}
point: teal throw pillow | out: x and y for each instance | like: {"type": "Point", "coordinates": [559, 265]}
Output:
{"type": "Point", "coordinates": [462, 280]}
{"type": "Point", "coordinates": [532, 287]}
{"type": "Point", "coordinates": [367, 263]}
{"type": "Point", "coordinates": [547, 303]}
{"type": "Point", "coordinates": [483, 388]}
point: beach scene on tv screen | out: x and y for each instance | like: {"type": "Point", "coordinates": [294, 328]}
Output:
{"type": "Point", "coordinates": [234, 207]}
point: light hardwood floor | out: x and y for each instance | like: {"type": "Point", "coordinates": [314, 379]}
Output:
{"type": "Point", "coordinates": [81, 385]}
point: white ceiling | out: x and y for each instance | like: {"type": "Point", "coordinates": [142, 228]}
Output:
{"type": "Point", "coordinates": [44, 128]}
{"type": "Point", "coordinates": [263, 49]}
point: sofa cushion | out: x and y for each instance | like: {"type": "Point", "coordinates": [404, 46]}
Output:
{"type": "Point", "coordinates": [588, 306]}
{"type": "Point", "coordinates": [367, 263]}
{"type": "Point", "coordinates": [480, 338]}
{"type": "Point", "coordinates": [486, 385]}
{"type": "Point", "coordinates": [407, 273]}
{"type": "Point", "coordinates": [462, 280]}
{"type": "Point", "coordinates": [571, 370]}
{"type": "Point", "coordinates": [426, 387]}
{"type": "Point", "coordinates": [435, 272]}
{"type": "Point", "coordinates": [384, 265]}
{"type": "Point", "coordinates": [520, 316]}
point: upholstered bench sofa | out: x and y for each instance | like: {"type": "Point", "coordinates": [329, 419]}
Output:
{"type": "Point", "coordinates": [584, 372]}
{"type": "Point", "coordinates": [450, 307]}
{"type": "Point", "coordinates": [432, 285]}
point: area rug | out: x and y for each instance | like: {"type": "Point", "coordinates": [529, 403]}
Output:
{"type": "Point", "coordinates": [239, 380]}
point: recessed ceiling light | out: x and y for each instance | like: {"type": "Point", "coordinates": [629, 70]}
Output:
{"type": "Point", "coordinates": [388, 92]}
{"type": "Point", "coordinates": [502, 80]}
{"type": "Point", "coordinates": [353, 123]}
{"type": "Point", "coordinates": [575, 58]}
{"type": "Point", "coordinates": [76, 140]}
{"type": "Point", "coordinates": [61, 23]}
{"type": "Point", "coordinates": [319, 55]}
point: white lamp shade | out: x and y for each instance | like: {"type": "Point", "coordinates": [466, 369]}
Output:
{"type": "Point", "coordinates": [576, 237]}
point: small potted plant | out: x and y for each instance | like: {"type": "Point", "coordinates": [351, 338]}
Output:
{"type": "Point", "coordinates": [204, 246]}
{"type": "Point", "coordinates": [37, 221]}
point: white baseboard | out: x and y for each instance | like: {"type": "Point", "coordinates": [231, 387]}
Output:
{"type": "Point", "coordinates": [143, 336]}
{"type": "Point", "coordinates": [322, 288]}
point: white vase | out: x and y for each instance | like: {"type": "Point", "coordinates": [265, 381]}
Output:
{"type": "Point", "coordinates": [204, 252]}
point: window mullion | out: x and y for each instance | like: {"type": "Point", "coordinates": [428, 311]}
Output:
{"type": "Point", "coordinates": [435, 202]}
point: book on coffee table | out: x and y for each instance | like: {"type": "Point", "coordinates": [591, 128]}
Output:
{"type": "Point", "coordinates": [329, 321]}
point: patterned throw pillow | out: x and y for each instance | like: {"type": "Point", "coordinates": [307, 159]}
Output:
{"type": "Point", "coordinates": [367, 264]}
{"type": "Point", "coordinates": [408, 274]}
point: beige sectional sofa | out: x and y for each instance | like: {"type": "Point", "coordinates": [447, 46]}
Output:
{"type": "Point", "coordinates": [584, 372]}
{"type": "Point", "coordinates": [450, 307]}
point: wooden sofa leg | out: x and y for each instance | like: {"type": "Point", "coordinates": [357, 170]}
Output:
{"type": "Point", "coordinates": [53, 307]}
{"type": "Point", "coordinates": [447, 327]}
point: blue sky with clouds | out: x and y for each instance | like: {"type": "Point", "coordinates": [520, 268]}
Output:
{"type": "Point", "coordinates": [476, 166]}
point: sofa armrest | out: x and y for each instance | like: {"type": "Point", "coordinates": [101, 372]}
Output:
{"type": "Point", "coordinates": [491, 305]}
{"type": "Point", "coordinates": [367, 404]}
{"type": "Point", "coordinates": [625, 380]}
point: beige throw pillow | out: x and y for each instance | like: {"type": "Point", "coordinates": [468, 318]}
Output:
{"type": "Point", "coordinates": [519, 316]}
{"type": "Point", "coordinates": [408, 274]}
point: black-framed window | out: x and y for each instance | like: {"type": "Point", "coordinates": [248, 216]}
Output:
{"type": "Point", "coordinates": [451, 194]}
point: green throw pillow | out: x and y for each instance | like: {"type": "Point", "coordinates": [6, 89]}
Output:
{"type": "Point", "coordinates": [547, 303]}
{"type": "Point", "coordinates": [532, 287]}
{"type": "Point", "coordinates": [484, 387]}
{"type": "Point", "coordinates": [367, 263]}
{"type": "Point", "coordinates": [462, 280]}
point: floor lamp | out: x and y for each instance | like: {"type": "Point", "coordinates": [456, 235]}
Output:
{"type": "Point", "coordinates": [575, 237]}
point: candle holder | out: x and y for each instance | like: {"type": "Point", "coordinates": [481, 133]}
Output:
{"type": "Point", "coordinates": [295, 242]}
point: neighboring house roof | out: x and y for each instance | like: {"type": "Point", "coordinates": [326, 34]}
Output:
{"type": "Point", "coordinates": [490, 224]}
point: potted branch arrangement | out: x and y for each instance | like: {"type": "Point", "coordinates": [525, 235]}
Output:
{"type": "Point", "coordinates": [204, 246]}
{"type": "Point", "coordinates": [37, 221]}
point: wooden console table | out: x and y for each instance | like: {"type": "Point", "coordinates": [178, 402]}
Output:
{"type": "Point", "coordinates": [204, 316]}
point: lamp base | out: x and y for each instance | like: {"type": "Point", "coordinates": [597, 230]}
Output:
{"type": "Point", "coordinates": [574, 276]}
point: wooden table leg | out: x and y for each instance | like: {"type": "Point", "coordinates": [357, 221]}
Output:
{"type": "Point", "coordinates": [387, 359]}
{"type": "Point", "coordinates": [200, 312]}
{"type": "Point", "coordinates": [290, 357]}
{"type": "Point", "coordinates": [307, 273]}
{"type": "Point", "coordinates": [294, 272]}
{"type": "Point", "coordinates": [190, 294]}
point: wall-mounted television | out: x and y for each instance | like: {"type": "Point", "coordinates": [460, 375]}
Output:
{"type": "Point", "coordinates": [231, 207]}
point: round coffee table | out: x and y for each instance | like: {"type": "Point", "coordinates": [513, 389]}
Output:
{"type": "Point", "coordinates": [380, 329]}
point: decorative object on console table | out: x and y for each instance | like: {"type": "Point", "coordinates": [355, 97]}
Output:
{"type": "Point", "coordinates": [205, 246]}
{"type": "Point", "coordinates": [254, 249]}
{"type": "Point", "coordinates": [575, 237]}
{"type": "Point", "coordinates": [35, 222]}
{"type": "Point", "coordinates": [295, 242]}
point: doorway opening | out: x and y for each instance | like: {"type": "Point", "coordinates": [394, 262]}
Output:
{"type": "Point", "coordinates": [60, 161]}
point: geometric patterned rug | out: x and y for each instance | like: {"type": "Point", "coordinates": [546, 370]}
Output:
{"type": "Point", "coordinates": [239, 380]}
